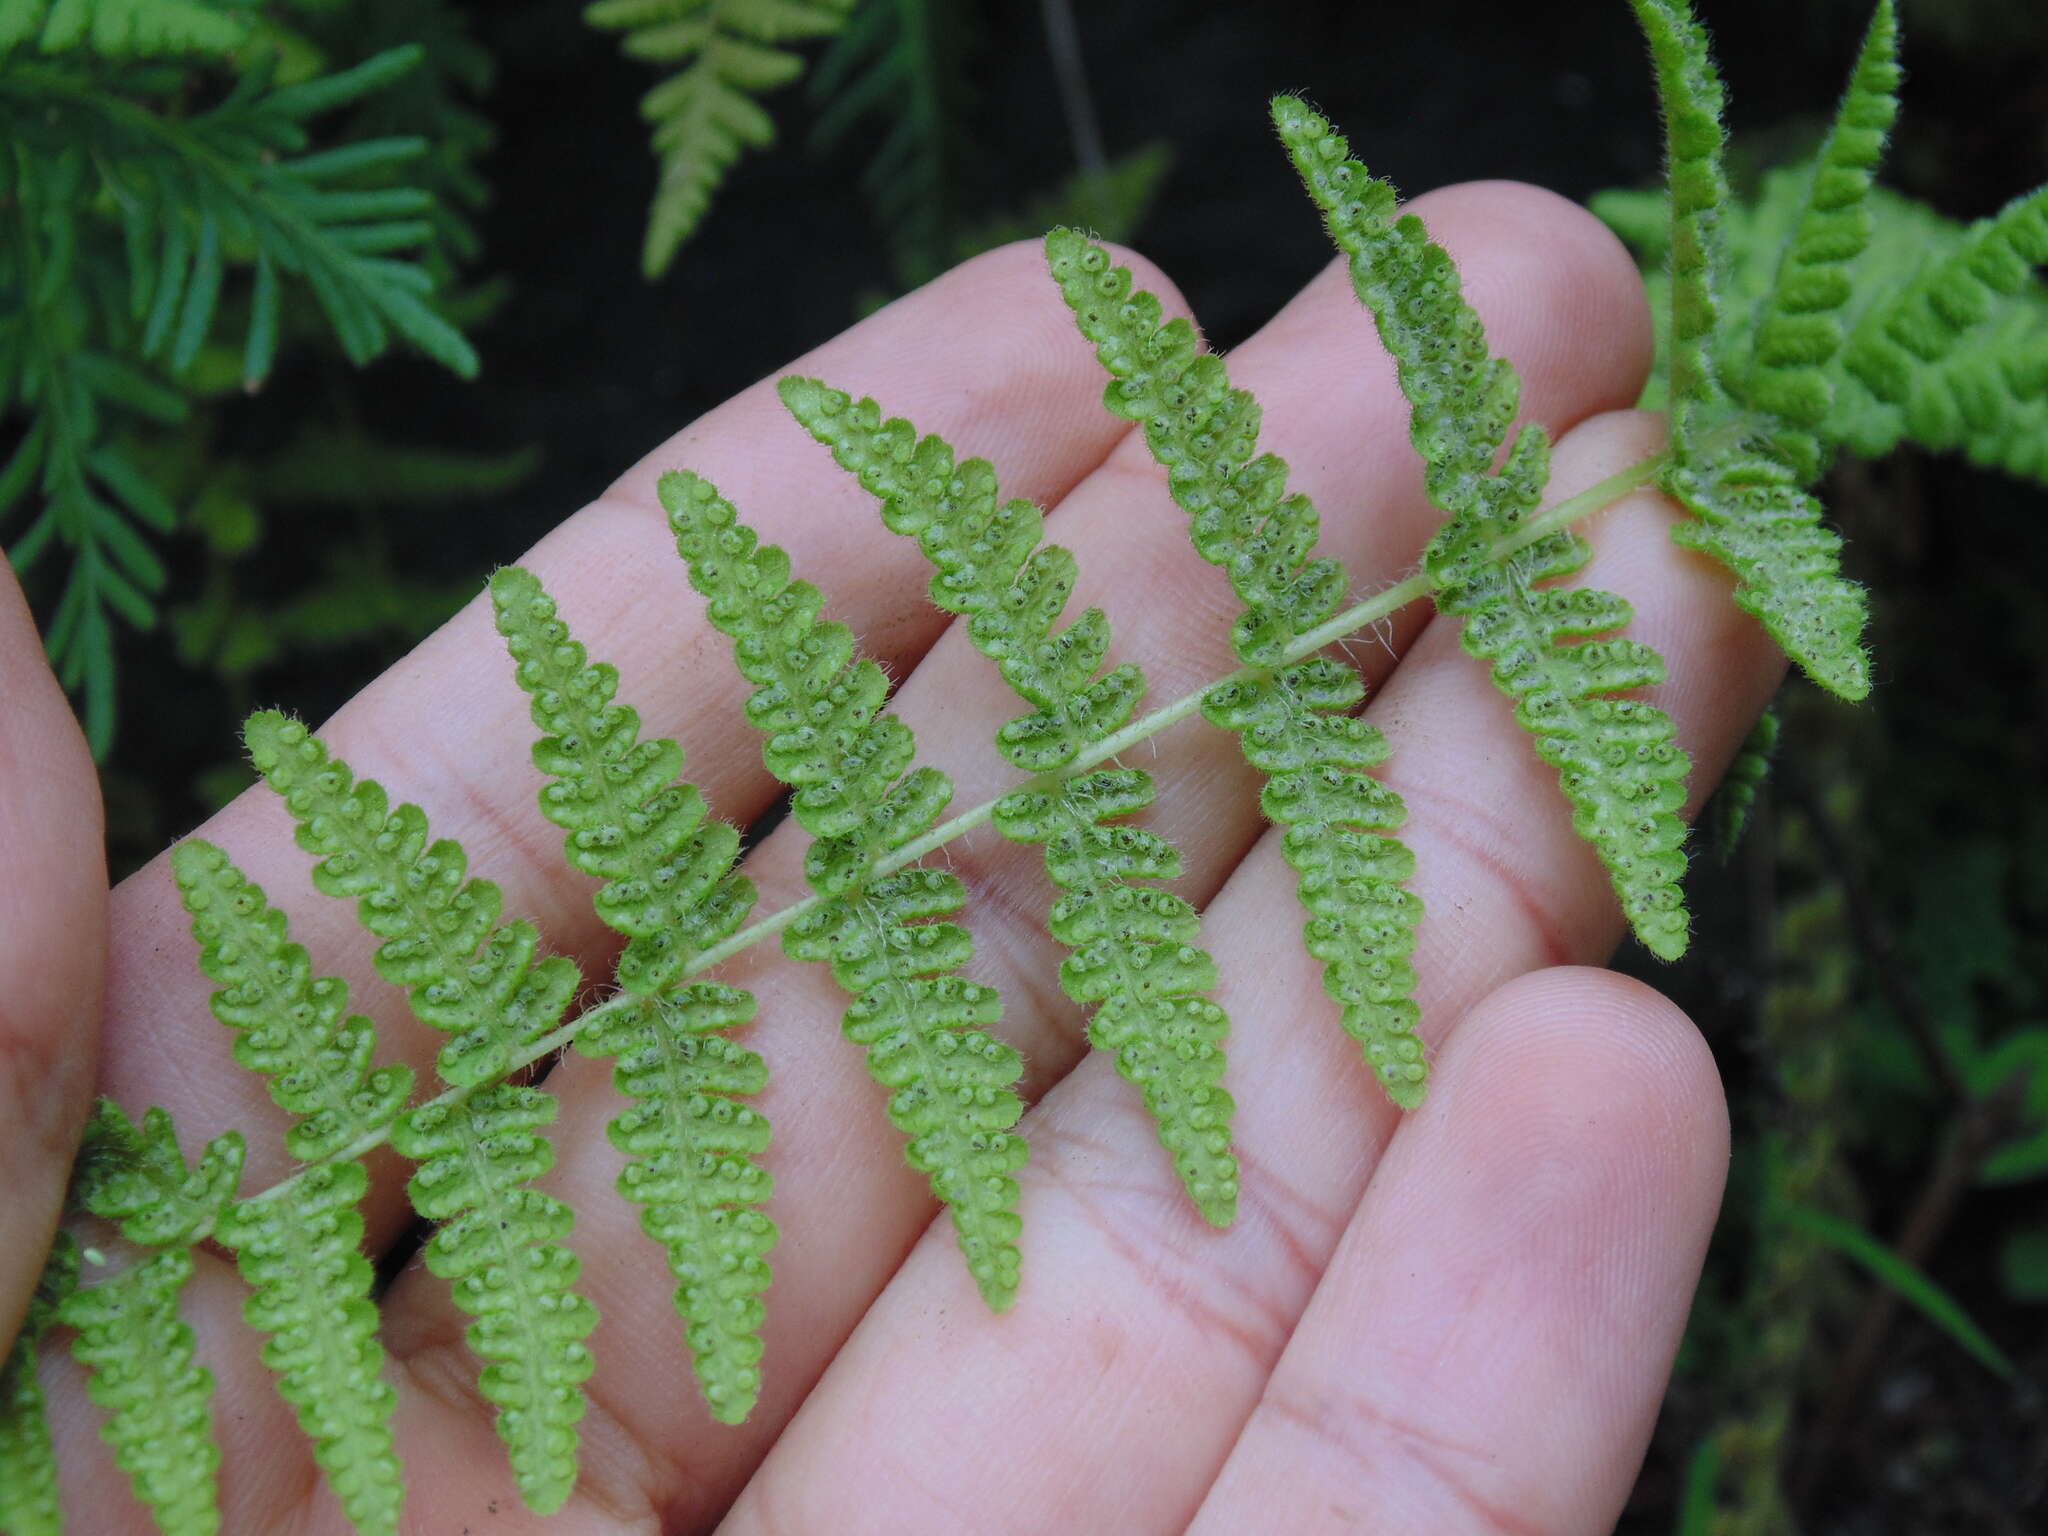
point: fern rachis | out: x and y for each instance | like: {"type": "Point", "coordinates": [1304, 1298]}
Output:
{"type": "Point", "coordinates": [871, 822]}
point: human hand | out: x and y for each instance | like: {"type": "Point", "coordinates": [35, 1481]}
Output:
{"type": "Point", "coordinates": [1456, 1320]}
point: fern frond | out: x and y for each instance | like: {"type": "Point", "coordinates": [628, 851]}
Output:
{"type": "Point", "coordinates": [1735, 799]}
{"type": "Point", "coordinates": [480, 983]}
{"type": "Point", "coordinates": [300, 1248]}
{"type": "Point", "coordinates": [1133, 953]}
{"type": "Point", "coordinates": [1750, 509]}
{"type": "Point", "coordinates": [696, 1172]}
{"type": "Point", "coordinates": [301, 1254]}
{"type": "Point", "coordinates": [1205, 433]}
{"type": "Point", "coordinates": [670, 885]}
{"type": "Point", "coordinates": [135, 1175]}
{"type": "Point", "coordinates": [673, 890]}
{"type": "Point", "coordinates": [289, 1023]}
{"type": "Point", "coordinates": [705, 115]}
{"type": "Point", "coordinates": [1618, 760]}
{"type": "Point", "coordinates": [158, 1399]}
{"type": "Point", "coordinates": [860, 799]}
{"type": "Point", "coordinates": [28, 1462]}
{"type": "Point", "coordinates": [123, 29]}
{"type": "Point", "coordinates": [1799, 326]}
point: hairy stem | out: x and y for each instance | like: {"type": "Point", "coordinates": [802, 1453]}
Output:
{"type": "Point", "coordinates": [1361, 615]}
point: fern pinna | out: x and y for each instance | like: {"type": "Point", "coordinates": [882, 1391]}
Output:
{"type": "Point", "coordinates": [1132, 947]}
{"type": "Point", "coordinates": [1825, 316]}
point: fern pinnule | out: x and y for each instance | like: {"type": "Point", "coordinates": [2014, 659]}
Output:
{"type": "Point", "coordinates": [672, 889]}
{"type": "Point", "coordinates": [1133, 953]}
{"type": "Point", "coordinates": [28, 1461]}
{"type": "Point", "coordinates": [1618, 760]}
{"type": "Point", "coordinates": [158, 1398]}
{"type": "Point", "coordinates": [861, 800]}
{"type": "Point", "coordinates": [133, 1173]}
{"type": "Point", "coordinates": [1205, 433]}
{"type": "Point", "coordinates": [289, 1024]}
{"type": "Point", "coordinates": [300, 1246]}
{"type": "Point", "coordinates": [478, 1152]}
{"type": "Point", "coordinates": [670, 885]}
{"type": "Point", "coordinates": [1799, 326]}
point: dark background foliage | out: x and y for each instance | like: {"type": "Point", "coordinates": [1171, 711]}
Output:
{"type": "Point", "coordinates": [1865, 959]}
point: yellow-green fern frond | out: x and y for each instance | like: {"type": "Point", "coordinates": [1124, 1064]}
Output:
{"type": "Point", "coordinates": [1133, 955]}
{"type": "Point", "coordinates": [135, 1174]}
{"type": "Point", "coordinates": [28, 1461]}
{"type": "Point", "coordinates": [1618, 760]}
{"type": "Point", "coordinates": [159, 1400]}
{"type": "Point", "coordinates": [859, 797]}
{"type": "Point", "coordinates": [123, 29]}
{"type": "Point", "coordinates": [705, 114]}
{"type": "Point", "coordinates": [300, 1246]}
{"type": "Point", "coordinates": [695, 1142]}
{"type": "Point", "coordinates": [478, 1154]}
{"type": "Point", "coordinates": [1242, 518]}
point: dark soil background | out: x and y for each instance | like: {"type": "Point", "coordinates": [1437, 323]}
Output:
{"type": "Point", "coordinates": [596, 366]}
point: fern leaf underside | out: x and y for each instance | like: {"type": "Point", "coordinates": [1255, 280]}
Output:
{"type": "Point", "coordinates": [1132, 948]}
{"type": "Point", "coordinates": [1618, 760]}
{"type": "Point", "coordinates": [883, 935]}
{"type": "Point", "coordinates": [671, 889]}
{"type": "Point", "coordinates": [501, 1242]}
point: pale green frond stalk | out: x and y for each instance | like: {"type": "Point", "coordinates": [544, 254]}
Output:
{"type": "Point", "coordinates": [501, 1239]}
{"type": "Point", "coordinates": [28, 1461]}
{"type": "Point", "coordinates": [159, 1401]}
{"type": "Point", "coordinates": [671, 888]}
{"type": "Point", "coordinates": [301, 1250]}
{"type": "Point", "coordinates": [1618, 760]}
{"type": "Point", "coordinates": [1340, 821]}
{"type": "Point", "coordinates": [859, 797]}
{"type": "Point", "coordinates": [1132, 948]}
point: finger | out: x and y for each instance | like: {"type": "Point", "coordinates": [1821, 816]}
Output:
{"type": "Point", "coordinates": [1490, 1342]}
{"type": "Point", "coordinates": [1132, 1302]}
{"type": "Point", "coordinates": [985, 352]}
{"type": "Point", "coordinates": [847, 1203]}
{"type": "Point", "coordinates": [53, 935]}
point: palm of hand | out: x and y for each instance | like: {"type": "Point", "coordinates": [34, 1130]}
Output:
{"type": "Point", "coordinates": [1457, 1320]}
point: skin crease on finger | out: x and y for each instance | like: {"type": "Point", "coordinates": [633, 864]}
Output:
{"type": "Point", "coordinates": [863, 1198]}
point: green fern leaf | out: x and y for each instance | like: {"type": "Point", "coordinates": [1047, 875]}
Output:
{"type": "Point", "coordinates": [501, 1245]}
{"type": "Point", "coordinates": [1132, 948]}
{"type": "Point", "coordinates": [1617, 759]}
{"type": "Point", "coordinates": [299, 1248]}
{"type": "Point", "coordinates": [669, 872]}
{"type": "Point", "coordinates": [123, 29]}
{"type": "Point", "coordinates": [28, 1462]}
{"type": "Point", "coordinates": [301, 1254]}
{"type": "Point", "coordinates": [1295, 727]}
{"type": "Point", "coordinates": [135, 1175]}
{"type": "Point", "coordinates": [696, 1173]}
{"type": "Point", "coordinates": [673, 891]}
{"type": "Point", "coordinates": [1205, 433]}
{"type": "Point", "coordinates": [289, 1023]}
{"type": "Point", "coordinates": [1735, 799]}
{"type": "Point", "coordinates": [480, 983]}
{"type": "Point", "coordinates": [705, 115]}
{"type": "Point", "coordinates": [462, 972]}
{"type": "Point", "coordinates": [1751, 511]}
{"type": "Point", "coordinates": [158, 1399]}
{"type": "Point", "coordinates": [1798, 328]}
{"type": "Point", "coordinates": [860, 799]}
